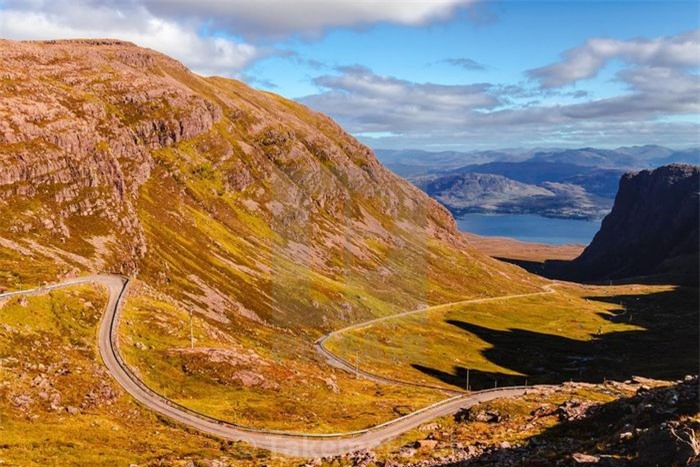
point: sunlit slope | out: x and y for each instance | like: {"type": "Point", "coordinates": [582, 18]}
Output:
{"type": "Point", "coordinates": [259, 218]}
{"type": "Point", "coordinates": [118, 158]}
{"type": "Point", "coordinates": [59, 404]}
{"type": "Point", "coordinates": [578, 333]}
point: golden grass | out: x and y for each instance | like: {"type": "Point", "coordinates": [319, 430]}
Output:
{"type": "Point", "coordinates": [295, 394]}
{"type": "Point", "coordinates": [52, 336]}
{"type": "Point", "coordinates": [579, 333]}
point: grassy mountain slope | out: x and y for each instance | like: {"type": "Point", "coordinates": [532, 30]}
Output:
{"type": "Point", "coordinates": [59, 406]}
{"type": "Point", "coordinates": [263, 220]}
{"type": "Point", "coordinates": [114, 154]}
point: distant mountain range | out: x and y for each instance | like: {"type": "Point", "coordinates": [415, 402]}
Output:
{"type": "Point", "coordinates": [569, 183]}
{"type": "Point", "coordinates": [477, 192]}
{"type": "Point", "coordinates": [411, 162]}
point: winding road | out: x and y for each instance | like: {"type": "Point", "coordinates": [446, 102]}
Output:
{"type": "Point", "coordinates": [289, 443]}
{"type": "Point", "coordinates": [343, 364]}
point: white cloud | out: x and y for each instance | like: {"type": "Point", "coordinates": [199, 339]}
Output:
{"type": "Point", "coordinates": [175, 27]}
{"type": "Point", "coordinates": [367, 102]}
{"type": "Point", "coordinates": [276, 18]}
{"type": "Point", "coordinates": [660, 76]}
{"type": "Point", "coordinates": [129, 21]}
{"type": "Point", "coordinates": [465, 62]}
{"type": "Point", "coordinates": [681, 51]}
{"type": "Point", "coordinates": [401, 111]}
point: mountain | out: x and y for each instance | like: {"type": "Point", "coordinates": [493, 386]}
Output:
{"type": "Point", "coordinates": [554, 189]}
{"type": "Point", "coordinates": [686, 156]}
{"type": "Point", "coordinates": [248, 224]}
{"type": "Point", "coordinates": [488, 193]}
{"type": "Point", "coordinates": [647, 151]}
{"type": "Point", "coordinates": [119, 158]}
{"type": "Point", "coordinates": [584, 180]}
{"type": "Point", "coordinates": [536, 172]}
{"type": "Point", "coordinates": [589, 157]}
{"type": "Point", "coordinates": [635, 157]}
{"type": "Point", "coordinates": [653, 228]}
{"type": "Point", "coordinates": [414, 162]}
{"type": "Point", "coordinates": [656, 156]}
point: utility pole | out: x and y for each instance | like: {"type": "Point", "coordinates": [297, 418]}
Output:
{"type": "Point", "coordinates": [467, 379]}
{"type": "Point", "coordinates": [191, 331]}
{"type": "Point", "coordinates": [357, 364]}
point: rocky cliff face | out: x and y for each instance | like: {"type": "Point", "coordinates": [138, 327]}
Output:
{"type": "Point", "coordinates": [653, 228]}
{"type": "Point", "coordinates": [78, 122]}
{"type": "Point", "coordinates": [235, 201]}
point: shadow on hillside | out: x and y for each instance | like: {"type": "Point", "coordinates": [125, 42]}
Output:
{"type": "Point", "coordinates": [535, 267]}
{"type": "Point", "coordinates": [682, 272]}
{"type": "Point", "coordinates": [656, 423]}
{"type": "Point", "coordinates": [665, 346]}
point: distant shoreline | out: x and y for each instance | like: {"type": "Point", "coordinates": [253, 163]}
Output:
{"type": "Point", "coordinates": [582, 217]}
{"type": "Point", "coordinates": [530, 228]}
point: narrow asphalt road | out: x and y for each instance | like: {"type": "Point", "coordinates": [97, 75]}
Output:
{"type": "Point", "coordinates": [289, 443]}
{"type": "Point", "coordinates": [343, 364]}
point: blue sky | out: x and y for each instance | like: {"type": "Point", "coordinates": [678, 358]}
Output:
{"type": "Point", "coordinates": [444, 74]}
{"type": "Point", "coordinates": [517, 36]}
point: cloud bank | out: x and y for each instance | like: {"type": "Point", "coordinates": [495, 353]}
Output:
{"type": "Point", "coordinates": [279, 18]}
{"type": "Point", "coordinates": [129, 21]}
{"type": "Point", "coordinates": [201, 33]}
{"type": "Point", "coordinates": [661, 81]}
{"type": "Point", "coordinates": [676, 52]}
{"type": "Point", "coordinates": [660, 101]}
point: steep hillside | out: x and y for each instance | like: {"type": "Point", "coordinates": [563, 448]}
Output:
{"type": "Point", "coordinates": [653, 228]}
{"type": "Point", "coordinates": [109, 151]}
{"type": "Point", "coordinates": [262, 222]}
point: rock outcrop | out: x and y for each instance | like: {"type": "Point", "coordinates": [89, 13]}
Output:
{"type": "Point", "coordinates": [653, 229]}
{"type": "Point", "coordinates": [78, 121]}
{"type": "Point", "coordinates": [643, 426]}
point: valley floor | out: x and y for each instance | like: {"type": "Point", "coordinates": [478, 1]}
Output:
{"type": "Point", "coordinates": [502, 340]}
